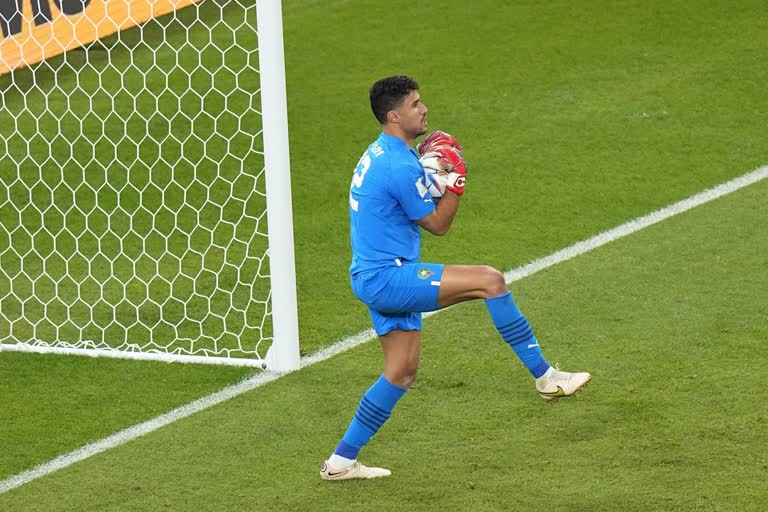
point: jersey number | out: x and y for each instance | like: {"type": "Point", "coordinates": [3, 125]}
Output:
{"type": "Point", "coordinates": [357, 178]}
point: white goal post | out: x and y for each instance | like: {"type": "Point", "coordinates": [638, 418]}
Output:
{"type": "Point", "coordinates": [145, 200]}
{"type": "Point", "coordinates": [284, 352]}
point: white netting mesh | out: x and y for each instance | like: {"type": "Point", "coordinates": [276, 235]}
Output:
{"type": "Point", "coordinates": [132, 197]}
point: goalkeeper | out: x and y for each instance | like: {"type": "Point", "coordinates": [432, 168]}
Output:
{"type": "Point", "coordinates": [388, 205]}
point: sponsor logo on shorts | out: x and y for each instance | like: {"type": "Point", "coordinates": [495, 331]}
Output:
{"type": "Point", "coordinates": [424, 273]}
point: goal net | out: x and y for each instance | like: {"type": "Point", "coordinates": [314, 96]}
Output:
{"type": "Point", "coordinates": [135, 181]}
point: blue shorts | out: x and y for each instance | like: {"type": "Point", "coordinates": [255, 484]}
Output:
{"type": "Point", "coordinates": [396, 296]}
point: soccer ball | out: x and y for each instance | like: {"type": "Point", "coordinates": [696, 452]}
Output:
{"type": "Point", "coordinates": [435, 177]}
{"type": "Point", "coordinates": [440, 153]}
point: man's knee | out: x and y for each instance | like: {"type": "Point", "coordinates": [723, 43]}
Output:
{"type": "Point", "coordinates": [403, 376]}
{"type": "Point", "coordinates": [495, 284]}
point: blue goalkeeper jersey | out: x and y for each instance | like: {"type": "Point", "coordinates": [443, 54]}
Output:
{"type": "Point", "coordinates": [386, 196]}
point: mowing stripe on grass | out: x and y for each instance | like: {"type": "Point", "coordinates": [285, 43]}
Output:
{"type": "Point", "coordinates": [345, 344]}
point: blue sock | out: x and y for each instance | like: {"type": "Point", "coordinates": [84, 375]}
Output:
{"type": "Point", "coordinates": [374, 409]}
{"type": "Point", "coordinates": [516, 331]}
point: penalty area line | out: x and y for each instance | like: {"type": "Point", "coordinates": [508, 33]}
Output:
{"type": "Point", "coordinates": [345, 344]}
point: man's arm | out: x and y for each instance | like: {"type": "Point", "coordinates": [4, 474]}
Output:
{"type": "Point", "coordinates": [441, 218]}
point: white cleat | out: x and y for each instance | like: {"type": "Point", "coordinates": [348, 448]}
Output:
{"type": "Point", "coordinates": [556, 384]}
{"type": "Point", "coordinates": [354, 470]}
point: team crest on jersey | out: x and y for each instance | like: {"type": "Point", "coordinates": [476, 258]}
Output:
{"type": "Point", "coordinates": [424, 273]}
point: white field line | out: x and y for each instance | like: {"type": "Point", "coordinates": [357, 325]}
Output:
{"type": "Point", "coordinates": [345, 344]}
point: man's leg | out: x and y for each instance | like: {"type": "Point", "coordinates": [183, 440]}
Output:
{"type": "Point", "coordinates": [402, 350]}
{"type": "Point", "coordinates": [401, 360]}
{"type": "Point", "coordinates": [461, 283]}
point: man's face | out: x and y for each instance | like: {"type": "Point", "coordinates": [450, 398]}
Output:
{"type": "Point", "coordinates": [412, 115]}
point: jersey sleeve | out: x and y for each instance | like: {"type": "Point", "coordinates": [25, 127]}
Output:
{"type": "Point", "coordinates": [412, 194]}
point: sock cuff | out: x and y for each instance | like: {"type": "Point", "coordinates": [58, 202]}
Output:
{"type": "Point", "coordinates": [498, 297]}
{"type": "Point", "coordinates": [394, 387]}
{"type": "Point", "coordinates": [503, 309]}
{"type": "Point", "coordinates": [384, 394]}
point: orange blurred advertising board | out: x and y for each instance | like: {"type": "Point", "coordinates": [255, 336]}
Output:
{"type": "Point", "coordinates": [34, 30]}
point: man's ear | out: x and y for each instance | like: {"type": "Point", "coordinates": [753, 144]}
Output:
{"type": "Point", "coordinates": [393, 117]}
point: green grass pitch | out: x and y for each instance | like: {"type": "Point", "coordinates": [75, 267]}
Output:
{"type": "Point", "coordinates": [575, 118]}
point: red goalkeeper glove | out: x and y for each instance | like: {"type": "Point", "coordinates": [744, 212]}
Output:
{"type": "Point", "coordinates": [438, 139]}
{"type": "Point", "coordinates": [448, 160]}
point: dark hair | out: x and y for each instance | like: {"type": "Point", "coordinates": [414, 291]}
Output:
{"type": "Point", "coordinates": [389, 93]}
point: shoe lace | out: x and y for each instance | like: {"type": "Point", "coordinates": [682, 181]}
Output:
{"type": "Point", "coordinates": [560, 376]}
